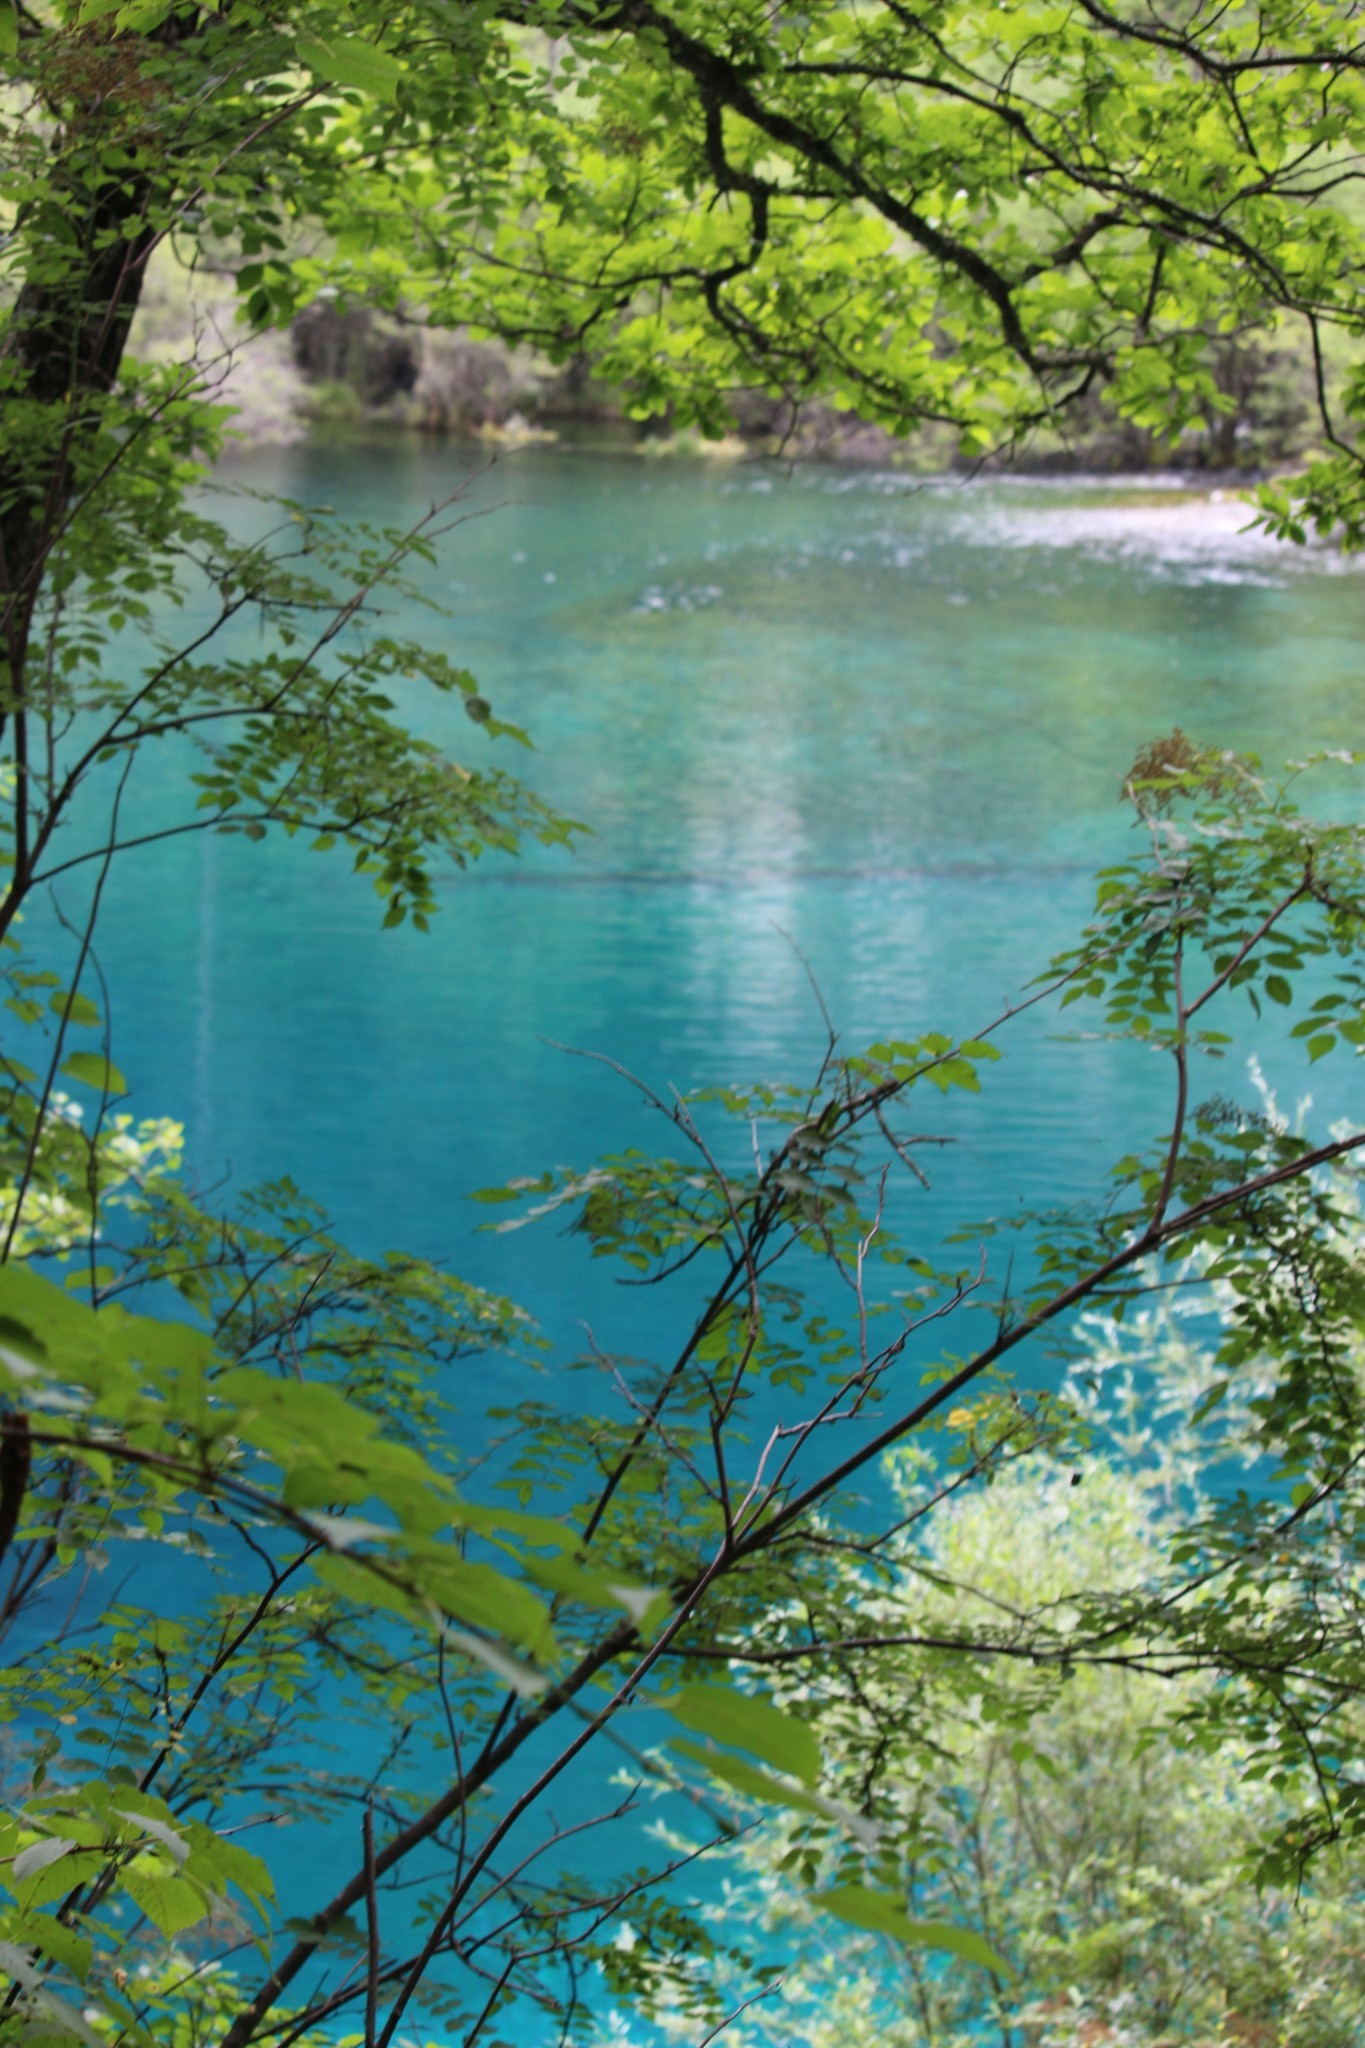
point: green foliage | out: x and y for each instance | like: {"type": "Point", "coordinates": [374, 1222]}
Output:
{"type": "Point", "coordinates": [285, 1437]}
{"type": "Point", "coordinates": [290, 1418]}
{"type": "Point", "coordinates": [963, 217]}
{"type": "Point", "coordinates": [749, 1724]}
{"type": "Point", "coordinates": [1034, 1711]}
{"type": "Point", "coordinates": [876, 1913]}
{"type": "Point", "coordinates": [974, 219]}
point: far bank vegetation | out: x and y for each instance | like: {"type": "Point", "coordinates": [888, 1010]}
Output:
{"type": "Point", "coordinates": [348, 363]}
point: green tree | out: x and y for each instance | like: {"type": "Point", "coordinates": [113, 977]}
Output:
{"type": "Point", "coordinates": [518, 1621]}
{"type": "Point", "coordinates": [939, 214]}
{"type": "Point", "coordinates": [716, 194]}
{"type": "Point", "coordinates": [1043, 1770]}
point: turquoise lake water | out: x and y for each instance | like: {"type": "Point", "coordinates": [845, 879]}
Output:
{"type": "Point", "coordinates": [883, 720]}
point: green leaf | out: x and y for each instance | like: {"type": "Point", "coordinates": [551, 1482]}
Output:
{"type": "Point", "coordinates": [142, 16]}
{"type": "Point", "coordinates": [431, 1588]}
{"type": "Point", "coordinates": [1278, 989]}
{"type": "Point", "coordinates": [93, 1348]}
{"type": "Point", "coordinates": [877, 1913]}
{"type": "Point", "coordinates": [39, 1855]}
{"type": "Point", "coordinates": [9, 28]}
{"type": "Point", "coordinates": [71, 1950]}
{"type": "Point", "coordinates": [71, 1003]}
{"type": "Point", "coordinates": [171, 1902]}
{"type": "Point", "coordinates": [562, 1575]}
{"type": "Point", "coordinates": [160, 1831]}
{"type": "Point", "coordinates": [70, 2023]}
{"type": "Point", "coordinates": [746, 1723]}
{"type": "Point", "coordinates": [524, 1680]}
{"type": "Point", "coordinates": [753, 1783]}
{"type": "Point", "coordinates": [94, 1071]}
{"type": "Point", "coordinates": [346, 60]}
{"type": "Point", "coordinates": [218, 1863]}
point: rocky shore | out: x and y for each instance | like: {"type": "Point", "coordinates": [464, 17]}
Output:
{"type": "Point", "coordinates": [349, 363]}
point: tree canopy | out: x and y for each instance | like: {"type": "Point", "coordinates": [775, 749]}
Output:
{"type": "Point", "coordinates": [947, 215]}
{"type": "Point", "coordinates": [938, 213]}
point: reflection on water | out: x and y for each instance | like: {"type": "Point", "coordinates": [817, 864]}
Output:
{"type": "Point", "coordinates": [886, 719]}
{"type": "Point", "coordinates": [881, 723]}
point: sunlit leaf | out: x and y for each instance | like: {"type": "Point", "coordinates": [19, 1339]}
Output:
{"type": "Point", "coordinates": [877, 1913]}
{"type": "Point", "coordinates": [740, 1720]}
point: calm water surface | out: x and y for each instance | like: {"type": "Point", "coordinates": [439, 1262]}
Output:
{"type": "Point", "coordinates": [883, 721]}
